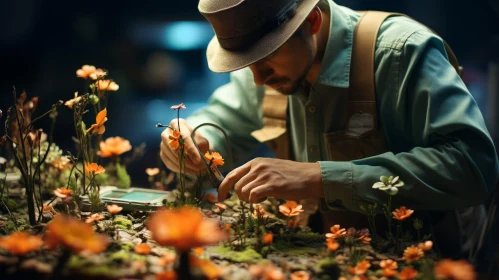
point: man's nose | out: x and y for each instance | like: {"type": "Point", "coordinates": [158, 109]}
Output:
{"type": "Point", "coordinates": [260, 73]}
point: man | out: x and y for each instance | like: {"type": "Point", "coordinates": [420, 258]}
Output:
{"type": "Point", "coordinates": [424, 125]}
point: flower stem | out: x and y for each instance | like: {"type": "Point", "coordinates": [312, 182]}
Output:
{"type": "Point", "coordinates": [183, 269]}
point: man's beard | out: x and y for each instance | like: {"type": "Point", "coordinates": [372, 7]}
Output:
{"type": "Point", "coordinates": [287, 86]}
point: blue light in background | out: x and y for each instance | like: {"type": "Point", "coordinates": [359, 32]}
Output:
{"type": "Point", "coordinates": [187, 35]}
{"type": "Point", "coordinates": [178, 35]}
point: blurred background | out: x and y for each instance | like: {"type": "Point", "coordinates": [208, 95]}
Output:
{"type": "Point", "coordinates": [155, 51]}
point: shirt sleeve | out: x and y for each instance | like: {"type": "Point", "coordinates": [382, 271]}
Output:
{"type": "Point", "coordinates": [235, 107]}
{"type": "Point", "coordinates": [437, 138]}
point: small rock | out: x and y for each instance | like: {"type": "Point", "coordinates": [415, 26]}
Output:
{"type": "Point", "coordinates": [37, 266]}
{"type": "Point", "coordinates": [138, 227]}
{"type": "Point", "coordinates": [136, 241]}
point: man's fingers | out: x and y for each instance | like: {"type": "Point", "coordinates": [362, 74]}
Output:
{"type": "Point", "coordinates": [260, 193]}
{"type": "Point", "coordinates": [168, 162]}
{"type": "Point", "coordinates": [192, 151]}
{"type": "Point", "coordinates": [231, 179]}
{"type": "Point", "coordinates": [244, 191]}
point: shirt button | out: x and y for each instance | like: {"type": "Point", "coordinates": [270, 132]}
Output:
{"type": "Point", "coordinates": [311, 109]}
{"type": "Point", "coordinates": [312, 149]}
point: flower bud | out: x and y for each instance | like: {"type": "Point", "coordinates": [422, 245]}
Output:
{"type": "Point", "coordinates": [94, 99]}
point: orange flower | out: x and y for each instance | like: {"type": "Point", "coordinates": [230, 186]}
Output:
{"type": "Point", "coordinates": [184, 228]}
{"type": "Point", "coordinates": [364, 239]}
{"type": "Point", "coordinates": [47, 208]}
{"type": "Point", "coordinates": [336, 232]}
{"type": "Point", "coordinates": [456, 270]}
{"type": "Point", "coordinates": [166, 275]}
{"type": "Point", "coordinates": [273, 273]}
{"type": "Point", "coordinates": [221, 207]}
{"type": "Point", "coordinates": [179, 106]}
{"type": "Point", "coordinates": [86, 71]}
{"type": "Point", "coordinates": [426, 246]}
{"type": "Point", "coordinates": [412, 253]}
{"type": "Point", "coordinates": [198, 251]}
{"type": "Point", "coordinates": [174, 139]}
{"type": "Point", "coordinates": [142, 249]}
{"type": "Point", "coordinates": [114, 146]}
{"type": "Point", "coordinates": [167, 258]}
{"type": "Point", "coordinates": [268, 238]}
{"type": "Point", "coordinates": [94, 168]}
{"type": "Point", "coordinates": [266, 271]}
{"type": "Point", "coordinates": [293, 223]}
{"type": "Point", "coordinates": [74, 235]}
{"type": "Point", "coordinates": [63, 192]}
{"type": "Point", "coordinates": [152, 171]}
{"type": "Point", "coordinates": [73, 101]}
{"type": "Point", "coordinates": [290, 208]}
{"type": "Point", "coordinates": [387, 272]}
{"type": "Point", "coordinates": [114, 209]}
{"type": "Point", "coordinates": [360, 268]}
{"type": "Point", "coordinates": [94, 218]}
{"type": "Point", "coordinates": [98, 74]}
{"type": "Point", "coordinates": [21, 243]}
{"type": "Point", "coordinates": [214, 158]}
{"type": "Point", "coordinates": [408, 273]}
{"type": "Point", "coordinates": [107, 85]}
{"type": "Point", "coordinates": [300, 275]}
{"type": "Point", "coordinates": [391, 264]}
{"type": "Point", "coordinates": [209, 269]}
{"type": "Point", "coordinates": [210, 198]}
{"type": "Point", "coordinates": [332, 245]}
{"type": "Point", "coordinates": [259, 211]}
{"type": "Point", "coordinates": [100, 119]}
{"type": "Point", "coordinates": [402, 213]}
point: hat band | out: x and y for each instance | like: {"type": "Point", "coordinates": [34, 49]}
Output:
{"type": "Point", "coordinates": [246, 40]}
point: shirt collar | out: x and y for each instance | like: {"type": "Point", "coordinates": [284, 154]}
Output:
{"type": "Point", "coordinates": [335, 69]}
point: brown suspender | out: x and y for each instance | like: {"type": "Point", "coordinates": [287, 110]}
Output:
{"type": "Point", "coordinates": [361, 94]}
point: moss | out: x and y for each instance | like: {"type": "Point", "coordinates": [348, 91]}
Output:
{"type": "Point", "coordinates": [127, 246]}
{"type": "Point", "coordinates": [102, 179]}
{"type": "Point", "coordinates": [307, 238]}
{"type": "Point", "coordinates": [11, 204]}
{"type": "Point", "coordinates": [329, 267]}
{"type": "Point", "coordinates": [122, 222]}
{"type": "Point", "coordinates": [288, 248]}
{"type": "Point", "coordinates": [124, 180]}
{"type": "Point", "coordinates": [121, 256]}
{"type": "Point", "coordinates": [247, 256]}
{"type": "Point", "coordinates": [76, 262]}
{"type": "Point", "coordinates": [102, 270]}
{"type": "Point", "coordinates": [9, 226]}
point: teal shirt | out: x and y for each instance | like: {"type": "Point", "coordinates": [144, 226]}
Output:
{"type": "Point", "coordinates": [436, 135]}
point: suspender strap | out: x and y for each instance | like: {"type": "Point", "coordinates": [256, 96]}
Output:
{"type": "Point", "coordinates": [362, 87]}
{"type": "Point", "coordinates": [274, 107]}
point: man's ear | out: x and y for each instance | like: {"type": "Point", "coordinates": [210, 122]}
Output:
{"type": "Point", "coordinates": [314, 20]}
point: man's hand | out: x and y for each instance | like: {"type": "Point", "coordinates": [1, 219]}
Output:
{"type": "Point", "coordinates": [170, 155]}
{"type": "Point", "coordinates": [267, 177]}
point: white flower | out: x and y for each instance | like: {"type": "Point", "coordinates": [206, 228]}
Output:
{"type": "Point", "coordinates": [389, 184]}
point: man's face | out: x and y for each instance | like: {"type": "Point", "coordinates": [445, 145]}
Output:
{"type": "Point", "coordinates": [286, 69]}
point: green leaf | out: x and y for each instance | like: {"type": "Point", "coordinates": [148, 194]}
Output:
{"type": "Point", "coordinates": [378, 185]}
{"type": "Point", "coordinates": [390, 178]}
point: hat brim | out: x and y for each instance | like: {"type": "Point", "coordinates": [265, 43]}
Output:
{"type": "Point", "coordinates": [221, 60]}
